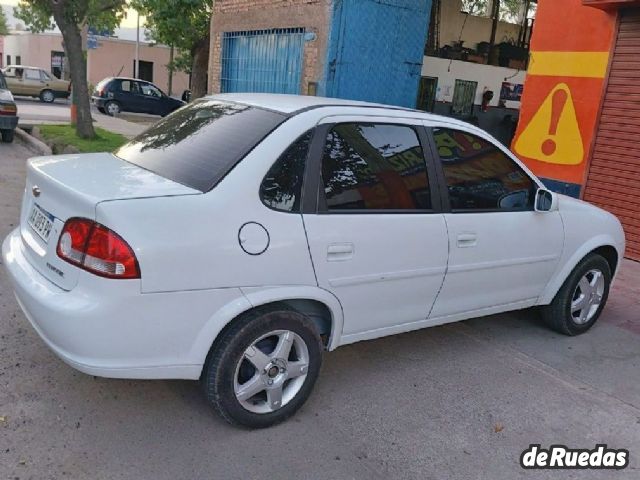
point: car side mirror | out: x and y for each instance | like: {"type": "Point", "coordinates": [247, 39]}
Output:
{"type": "Point", "coordinates": [546, 201]}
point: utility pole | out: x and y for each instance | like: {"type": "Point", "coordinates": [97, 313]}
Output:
{"type": "Point", "coordinates": [136, 64]}
{"type": "Point", "coordinates": [495, 15]}
{"type": "Point", "coordinates": [170, 86]}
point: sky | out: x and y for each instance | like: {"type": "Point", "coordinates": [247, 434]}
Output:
{"type": "Point", "coordinates": [129, 22]}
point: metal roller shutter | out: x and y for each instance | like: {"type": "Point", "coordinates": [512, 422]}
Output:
{"type": "Point", "coordinates": [613, 181]}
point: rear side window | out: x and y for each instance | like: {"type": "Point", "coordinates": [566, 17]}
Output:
{"type": "Point", "coordinates": [198, 144]}
{"type": "Point", "coordinates": [480, 176]}
{"type": "Point", "coordinates": [281, 188]}
{"type": "Point", "coordinates": [368, 166]}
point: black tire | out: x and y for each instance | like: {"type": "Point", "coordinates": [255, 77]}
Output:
{"type": "Point", "coordinates": [112, 108]}
{"type": "Point", "coordinates": [47, 96]}
{"type": "Point", "coordinates": [101, 109]}
{"type": "Point", "coordinates": [558, 314]}
{"type": "Point", "coordinates": [227, 354]}
{"type": "Point", "coordinates": [7, 136]}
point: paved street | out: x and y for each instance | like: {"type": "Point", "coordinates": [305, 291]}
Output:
{"type": "Point", "coordinates": [455, 402]}
{"type": "Point", "coordinates": [33, 112]}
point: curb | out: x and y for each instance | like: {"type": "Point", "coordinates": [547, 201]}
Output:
{"type": "Point", "coordinates": [33, 143]}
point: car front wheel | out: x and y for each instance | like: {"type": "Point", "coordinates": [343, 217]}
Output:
{"type": "Point", "coordinates": [581, 299]}
{"type": "Point", "coordinates": [263, 367]}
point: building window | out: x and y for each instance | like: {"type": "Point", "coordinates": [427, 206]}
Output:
{"type": "Point", "coordinates": [8, 59]}
{"type": "Point", "coordinates": [478, 8]}
{"type": "Point", "coordinates": [18, 60]}
{"type": "Point", "coordinates": [57, 63]}
{"type": "Point", "coordinates": [464, 94]}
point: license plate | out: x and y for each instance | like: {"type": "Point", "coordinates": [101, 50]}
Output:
{"type": "Point", "coordinates": [41, 222]}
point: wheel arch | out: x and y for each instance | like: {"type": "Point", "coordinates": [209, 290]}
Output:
{"type": "Point", "coordinates": [603, 245]}
{"type": "Point", "coordinates": [321, 306]}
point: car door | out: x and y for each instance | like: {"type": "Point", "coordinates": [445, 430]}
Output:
{"type": "Point", "coordinates": [126, 94]}
{"type": "Point", "coordinates": [32, 84]}
{"type": "Point", "coordinates": [502, 252]}
{"type": "Point", "coordinates": [151, 99]}
{"type": "Point", "coordinates": [376, 237]}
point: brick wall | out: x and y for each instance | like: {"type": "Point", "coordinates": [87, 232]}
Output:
{"type": "Point", "coordinates": [240, 15]}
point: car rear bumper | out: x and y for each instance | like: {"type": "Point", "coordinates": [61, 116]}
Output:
{"type": "Point", "coordinates": [8, 122]}
{"type": "Point", "coordinates": [108, 328]}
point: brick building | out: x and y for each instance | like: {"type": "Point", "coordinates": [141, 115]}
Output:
{"type": "Point", "coordinates": [362, 49]}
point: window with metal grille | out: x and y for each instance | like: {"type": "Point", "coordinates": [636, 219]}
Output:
{"type": "Point", "coordinates": [464, 94]}
{"type": "Point", "coordinates": [268, 61]}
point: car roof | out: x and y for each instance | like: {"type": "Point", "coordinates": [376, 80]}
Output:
{"type": "Point", "coordinates": [294, 104]}
{"type": "Point", "coordinates": [128, 78]}
{"type": "Point", "coordinates": [23, 66]}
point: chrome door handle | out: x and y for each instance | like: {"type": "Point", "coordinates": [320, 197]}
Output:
{"type": "Point", "coordinates": [337, 252]}
{"type": "Point", "coordinates": [466, 240]}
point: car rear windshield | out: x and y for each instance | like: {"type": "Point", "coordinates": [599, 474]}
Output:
{"type": "Point", "coordinates": [199, 144]}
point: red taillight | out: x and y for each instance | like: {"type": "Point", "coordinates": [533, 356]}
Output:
{"type": "Point", "coordinates": [8, 109]}
{"type": "Point", "coordinates": [97, 249]}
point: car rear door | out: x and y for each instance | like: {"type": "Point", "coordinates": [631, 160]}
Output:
{"type": "Point", "coordinates": [376, 235]}
{"type": "Point", "coordinates": [33, 85]}
{"type": "Point", "coordinates": [125, 93]}
{"type": "Point", "coordinates": [502, 252]}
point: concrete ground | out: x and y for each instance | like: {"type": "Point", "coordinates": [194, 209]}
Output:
{"type": "Point", "coordinates": [455, 402]}
{"type": "Point", "coordinates": [34, 112]}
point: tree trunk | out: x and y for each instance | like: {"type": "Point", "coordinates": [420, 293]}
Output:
{"type": "Point", "coordinates": [78, 68]}
{"type": "Point", "coordinates": [199, 68]}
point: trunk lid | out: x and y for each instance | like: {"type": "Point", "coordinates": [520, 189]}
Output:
{"type": "Point", "coordinates": [64, 186]}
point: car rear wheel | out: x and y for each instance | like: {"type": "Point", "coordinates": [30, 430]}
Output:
{"type": "Point", "coordinates": [47, 96]}
{"type": "Point", "coordinates": [7, 136]}
{"type": "Point", "coordinates": [101, 109]}
{"type": "Point", "coordinates": [579, 302]}
{"type": "Point", "coordinates": [112, 108]}
{"type": "Point", "coordinates": [263, 367]}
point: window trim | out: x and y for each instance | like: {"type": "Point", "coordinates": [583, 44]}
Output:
{"type": "Point", "coordinates": [304, 174]}
{"type": "Point", "coordinates": [444, 191]}
{"type": "Point", "coordinates": [313, 182]}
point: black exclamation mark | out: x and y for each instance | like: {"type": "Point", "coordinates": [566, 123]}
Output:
{"type": "Point", "coordinates": [557, 105]}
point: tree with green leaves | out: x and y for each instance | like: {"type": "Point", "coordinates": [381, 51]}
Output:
{"type": "Point", "coordinates": [4, 28]}
{"type": "Point", "coordinates": [72, 17]}
{"type": "Point", "coordinates": [183, 24]}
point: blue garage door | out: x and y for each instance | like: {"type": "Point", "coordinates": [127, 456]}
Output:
{"type": "Point", "coordinates": [376, 49]}
{"type": "Point", "coordinates": [268, 61]}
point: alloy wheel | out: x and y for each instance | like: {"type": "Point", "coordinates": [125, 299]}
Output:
{"type": "Point", "coordinates": [587, 296]}
{"type": "Point", "coordinates": [271, 371]}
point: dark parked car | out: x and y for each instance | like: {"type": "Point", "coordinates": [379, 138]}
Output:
{"type": "Point", "coordinates": [8, 112]}
{"type": "Point", "coordinates": [115, 95]}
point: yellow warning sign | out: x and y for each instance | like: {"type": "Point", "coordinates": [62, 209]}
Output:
{"type": "Point", "coordinates": [553, 135]}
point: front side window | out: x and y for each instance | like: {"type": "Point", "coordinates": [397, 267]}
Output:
{"type": "Point", "coordinates": [281, 188]}
{"type": "Point", "coordinates": [44, 76]}
{"type": "Point", "coordinates": [199, 144]}
{"type": "Point", "coordinates": [480, 176]}
{"type": "Point", "coordinates": [368, 166]}
{"type": "Point", "coordinates": [149, 90]}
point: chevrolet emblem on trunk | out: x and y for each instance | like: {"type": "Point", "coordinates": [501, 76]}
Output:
{"type": "Point", "coordinates": [36, 191]}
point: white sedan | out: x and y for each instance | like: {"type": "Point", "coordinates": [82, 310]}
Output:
{"type": "Point", "coordinates": [244, 234]}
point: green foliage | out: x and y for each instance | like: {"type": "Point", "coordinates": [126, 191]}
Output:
{"type": "Point", "coordinates": [181, 23]}
{"type": "Point", "coordinates": [101, 14]}
{"type": "Point", "coordinates": [4, 28]}
{"type": "Point", "coordinates": [62, 135]}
